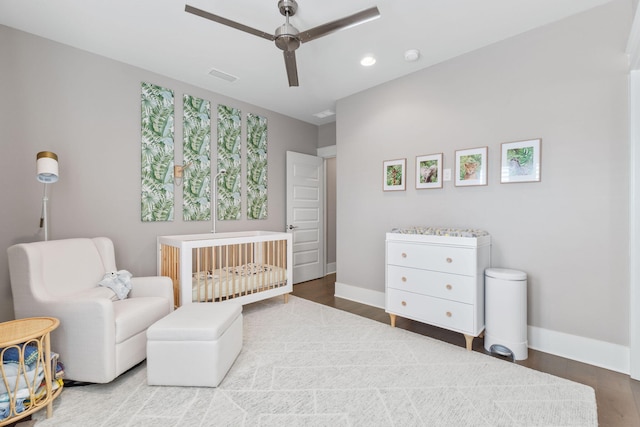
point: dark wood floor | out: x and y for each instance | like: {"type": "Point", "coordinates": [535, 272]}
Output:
{"type": "Point", "coordinates": [617, 395]}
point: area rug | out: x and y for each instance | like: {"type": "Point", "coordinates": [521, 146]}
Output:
{"type": "Point", "coordinates": [305, 364]}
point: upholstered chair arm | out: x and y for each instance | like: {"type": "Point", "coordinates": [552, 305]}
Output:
{"type": "Point", "coordinates": [152, 286]}
{"type": "Point", "coordinates": [86, 343]}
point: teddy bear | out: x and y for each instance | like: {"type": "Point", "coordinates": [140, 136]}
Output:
{"type": "Point", "coordinates": [118, 281]}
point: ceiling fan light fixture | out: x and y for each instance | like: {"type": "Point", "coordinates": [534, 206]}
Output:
{"type": "Point", "coordinates": [368, 61]}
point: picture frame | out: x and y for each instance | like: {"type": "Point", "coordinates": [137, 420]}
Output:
{"type": "Point", "coordinates": [394, 175]}
{"type": "Point", "coordinates": [471, 167]}
{"type": "Point", "coordinates": [520, 161]}
{"type": "Point", "coordinates": [429, 171]}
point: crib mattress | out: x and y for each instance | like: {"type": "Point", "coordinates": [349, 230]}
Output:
{"type": "Point", "coordinates": [229, 282]}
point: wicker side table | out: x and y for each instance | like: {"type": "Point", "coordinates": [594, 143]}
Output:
{"type": "Point", "coordinates": [16, 336]}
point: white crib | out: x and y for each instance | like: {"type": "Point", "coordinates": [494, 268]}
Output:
{"type": "Point", "coordinates": [244, 266]}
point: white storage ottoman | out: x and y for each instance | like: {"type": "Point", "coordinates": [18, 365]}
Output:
{"type": "Point", "coordinates": [195, 345]}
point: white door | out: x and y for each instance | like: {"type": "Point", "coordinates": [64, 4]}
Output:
{"type": "Point", "coordinates": [305, 214]}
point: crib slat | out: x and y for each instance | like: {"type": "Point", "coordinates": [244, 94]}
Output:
{"type": "Point", "coordinates": [231, 263]}
{"type": "Point", "coordinates": [219, 267]}
{"type": "Point", "coordinates": [254, 258]}
{"type": "Point", "coordinates": [270, 262]}
{"type": "Point", "coordinates": [170, 267]}
{"type": "Point", "coordinates": [246, 281]}
{"type": "Point", "coordinates": [265, 278]}
{"type": "Point", "coordinates": [198, 277]}
{"type": "Point", "coordinates": [283, 254]}
{"type": "Point", "coordinates": [227, 265]}
{"type": "Point", "coordinates": [281, 262]}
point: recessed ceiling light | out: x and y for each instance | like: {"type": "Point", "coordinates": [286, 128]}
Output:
{"type": "Point", "coordinates": [368, 61]}
{"type": "Point", "coordinates": [412, 55]}
{"type": "Point", "coordinates": [323, 114]}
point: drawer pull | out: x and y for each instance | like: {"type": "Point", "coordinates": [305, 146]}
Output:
{"type": "Point", "coordinates": [404, 303]}
{"type": "Point", "coordinates": [449, 287]}
{"type": "Point", "coordinates": [404, 255]}
{"type": "Point", "coordinates": [449, 260]}
{"type": "Point", "coordinates": [449, 314]}
{"type": "Point", "coordinates": [404, 279]}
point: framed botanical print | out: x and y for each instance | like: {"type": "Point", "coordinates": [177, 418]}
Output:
{"type": "Point", "coordinates": [429, 171]}
{"type": "Point", "coordinates": [394, 175]}
{"type": "Point", "coordinates": [471, 167]}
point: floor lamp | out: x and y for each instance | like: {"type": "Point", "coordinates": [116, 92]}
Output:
{"type": "Point", "coordinates": [215, 200]}
{"type": "Point", "coordinates": [47, 173]}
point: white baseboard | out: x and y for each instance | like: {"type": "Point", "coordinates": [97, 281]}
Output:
{"type": "Point", "coordinates": [361, 295]}
{"type": "Point", "coordinates": [598, 353]}
{"type": "Point", "coordinates": [330, 268]}
{"type": "Point", "coordinates": [587, 350]}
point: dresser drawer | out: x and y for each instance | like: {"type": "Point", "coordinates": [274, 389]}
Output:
{"type": "Point", "coordinates": [447, 259]}
{"type": "Point", "coordinates": [436, 311]}
{"type": "Point", "coordinates": [432, 283]}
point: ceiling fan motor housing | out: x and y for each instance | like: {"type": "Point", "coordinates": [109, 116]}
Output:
{"type": "Point", "coordinates": [287, 37]}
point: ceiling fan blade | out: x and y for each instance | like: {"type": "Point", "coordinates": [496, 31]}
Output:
{"type": "Point", "coordinates": [228, 22]}
{"type": "Point", "coordinates": [292, 68]}
{"type": "Point", "coordinates": [339, 24]}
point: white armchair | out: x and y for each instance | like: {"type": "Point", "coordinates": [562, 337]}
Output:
{"type": "Point", "coordinates": [99, 336]}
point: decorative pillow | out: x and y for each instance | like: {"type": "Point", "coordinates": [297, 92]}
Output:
{"type": "Point", "coordinates": [118, 281]}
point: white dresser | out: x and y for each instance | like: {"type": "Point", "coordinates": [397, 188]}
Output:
{"type": "Point", "coordinates": [438, 279]}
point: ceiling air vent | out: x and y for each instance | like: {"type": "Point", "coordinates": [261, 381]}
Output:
{"type": "Point", "coordinates": [222, 75]}
{"type": "Point", "coordinates": [323, 114]}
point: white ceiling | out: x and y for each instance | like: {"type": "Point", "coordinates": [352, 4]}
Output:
{"type": "Point", "coordinates": [159, 36]}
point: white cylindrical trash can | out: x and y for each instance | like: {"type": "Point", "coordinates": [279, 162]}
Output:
{"type": "Point", "coordinates": [505, 312]}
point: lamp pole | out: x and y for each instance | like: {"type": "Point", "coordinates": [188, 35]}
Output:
{"type": "Point", "coordinates": [43, 218]}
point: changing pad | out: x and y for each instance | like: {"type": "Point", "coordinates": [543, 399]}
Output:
{"type": "Point", "coordinates": [442, 231]}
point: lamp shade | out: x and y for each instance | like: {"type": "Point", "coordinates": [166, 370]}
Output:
{"type": "Point", "coordinates": [47, 167]}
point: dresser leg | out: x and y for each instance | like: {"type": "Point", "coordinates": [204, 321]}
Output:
{"type": "Point", "coordinates": [469, 340]}
{"type": "Point", "coordinates": [393, 320]}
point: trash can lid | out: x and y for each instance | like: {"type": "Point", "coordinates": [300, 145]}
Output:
{"type": "Point", "coordinates": [505, 274]}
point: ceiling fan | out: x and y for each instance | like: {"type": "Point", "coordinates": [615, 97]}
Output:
{"type": "Point", "coordinates": [287, 37]}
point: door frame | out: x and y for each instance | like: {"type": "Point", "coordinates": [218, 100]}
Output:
{"type": "Point", "coordinates": [325, 153]}
{"type": "Point", "coordinates": [634, 224]}
{"type": "Point", "coordinates": [633, 51]}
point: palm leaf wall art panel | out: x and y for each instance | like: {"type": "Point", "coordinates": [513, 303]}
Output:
{"type": "Point", "coordinates": [229, 185]}
{"type": "Point", "coordinates": [196, 204]}
{"type": "Point", "coordinates": [157, 133]}
{"type": "Point", "coordinates": [256, 167]}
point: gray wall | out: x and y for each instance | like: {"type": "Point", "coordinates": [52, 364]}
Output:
{"type": "Point", "coordinates": [327, 135]}
{"type": "Point", "coordinates": [86, 109]}
{"type": "Point", "coordinates": [565, 83]}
